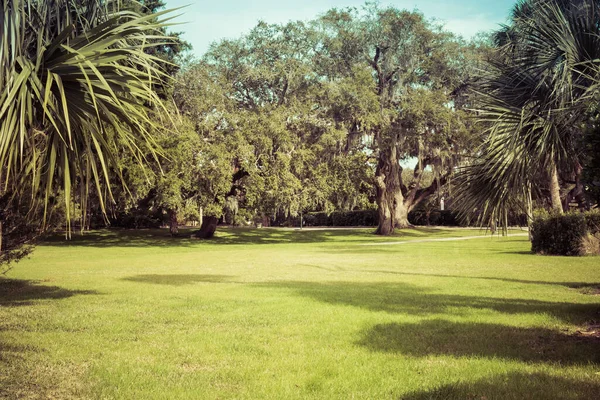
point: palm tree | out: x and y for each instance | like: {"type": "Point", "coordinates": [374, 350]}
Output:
{"type": "Point", "coordinates": [76, 82]}
{"type": "Point", "coordinates": [534, 99]}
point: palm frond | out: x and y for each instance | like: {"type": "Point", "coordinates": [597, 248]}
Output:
{"type": "Point", "coordinates": [536, 92]}
{"type": "Point", "coordinates": [75, 78]}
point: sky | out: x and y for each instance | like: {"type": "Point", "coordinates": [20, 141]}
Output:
{"type": "Point", "coordinates": [207, 21]}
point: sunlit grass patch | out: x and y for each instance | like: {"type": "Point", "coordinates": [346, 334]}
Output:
{"type": "Point", "coordinates": [271, 313]}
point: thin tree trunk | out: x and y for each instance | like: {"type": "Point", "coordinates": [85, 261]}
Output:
{"type": "Point", "coordinates": [529, 210]}
{"type": "Point", "coordinates": [555, 190]}
{"type": "Point", "coordinates": [173, 224]}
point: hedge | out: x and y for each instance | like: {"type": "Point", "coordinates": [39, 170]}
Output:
{"type": "Point", "coordinates": [592, 220]}
{"type": "Point", "coordinates": [564, 234]}
{"type": "Point", "coordinates": [418, 217]}
{"type": "Point", "coordinates": [370, 218]}
{"type": "Point", "coordinates": [136, 219]}
{"type": "Point", "coordinates": [434, 217]}
{"type": "Point", "coordinates": [343, 218]}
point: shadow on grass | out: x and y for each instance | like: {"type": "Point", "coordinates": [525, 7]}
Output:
{"type": "Point", "coordinates": [229, 236]}
{"type": "Point", "coordinates": [120, 238]}
{"type": "Point", "coordinates": [572, 285]}
{"type": "Point", "coordinates": [403, 298]}
{"type": "Point", "coordinates": [486, 246]}
{"type": "Point", "coordinates": [9, 352]}
{"type": "Point", "coordinates": [15, 378]}
{"type": "Point", "coordinates": [512, 386]}
{"type": "Point", "coordinates": [177, 280]}
{"type": "Point", "coordinates": [15, 292]}
{"type": "Point", "coordinates": [523, 253]}
{"type": "Point", "coordinates": [466, 339]}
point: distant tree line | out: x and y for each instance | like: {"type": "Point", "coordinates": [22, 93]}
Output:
{"type": "Point", "coordinates": [105, 117]}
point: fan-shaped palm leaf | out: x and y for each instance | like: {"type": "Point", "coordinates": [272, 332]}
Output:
{"type": "Point", "coordinates": [74, 79]}
{"type": "Point", "coordinates": [538, 89]}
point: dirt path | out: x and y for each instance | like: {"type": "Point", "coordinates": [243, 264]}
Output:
{"type": "Point", "coordinates": [438, 240]}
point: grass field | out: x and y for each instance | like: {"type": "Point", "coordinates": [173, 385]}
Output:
{"type": "Point", "coordinates": [287, 314]}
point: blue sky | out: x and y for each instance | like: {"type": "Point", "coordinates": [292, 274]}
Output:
{"type": "Point", "coordinates": [207, 21]}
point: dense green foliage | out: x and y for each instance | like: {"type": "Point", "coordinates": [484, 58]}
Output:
{"type": "Point", "coordinates": [299, 120]}
{"type": "Point", "coordinates": [592, 220]}
{"type": "Point", "coordinates": [290, 118]}
{"type": "Point", "coordinates": [77, 84]}
{"type": "Point", "coordinates": [73, 82]}
{"type": "Point", "coordinates": [564, 234]}
{"type": "Point", "coordinates": [421, 216]}
{"type": "Point", "coordinates": [347, 218]}
{"type": "Point", "coordinates": [558, 234]}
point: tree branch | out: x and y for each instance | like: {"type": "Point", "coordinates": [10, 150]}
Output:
{"type": "Point", "coordinates": [283, 93]}
{"type": "Point", "coordinates": [424, 193]}
{"type": "Point", "coordinates": [375, 61]}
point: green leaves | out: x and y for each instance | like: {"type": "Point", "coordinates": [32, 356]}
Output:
{"type": "Point", "coordinates": [70, 72]}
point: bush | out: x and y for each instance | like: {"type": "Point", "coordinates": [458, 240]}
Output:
{"type": "Point", "coordinates": [590, 244]}
{"type": "Point", "coordinates": [137, 219]}
{"type": "Point", "coordinates": [316, 219]}
{"type": "Point", "coordinates": [561, 234]}
{"type": "Point", "coordinates": [355, 218]}
{"type": "Point", "coordinates": [433, 217]}
{"type": "Point", "coordinates": [592, 220]}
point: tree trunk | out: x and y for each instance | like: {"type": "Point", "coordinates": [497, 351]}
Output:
{"type": "Point", "coordinates": [529, 210]}
{"type": "Point", "coordinates": [401, 215]}
{"type": "Point", "coordinates": [384, 209]}
{"type": "Point", "coordinates": [173, 224]}
{"type": "Point", "coordinates": [208, 228]}
{"type": "Point", "coordinates": [555, 190]}
{"type": "Point", "coordinates": [387, 186]}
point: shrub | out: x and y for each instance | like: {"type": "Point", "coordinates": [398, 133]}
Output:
{"type": "Point", "coordinates": [592, 220]}
{"type": "Point", "coordinates": [590, 244]}
{"type": "Point", "coordinates": [137, 219]}
{"type": "Point", "coordinates": [433, 217]}
{"type": "Point", "coordinates": [561, 234]}
{"type": "Point", "coordinates": [354, 218]}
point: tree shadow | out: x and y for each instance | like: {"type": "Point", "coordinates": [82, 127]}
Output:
{"type": "Point", "coordinates": [523, 253]}
{"type": "Point", "coordinates": [404, 298]}
{"type": "Point", "coordinates": [287, 236]}
{"type": "Point", "coordinates": [9, 352]}
{"type": "Point", "coordinates": [232, 236]}
{"type": "Point", "coordinates": [571, 285]}
{"type": "Point", "coordinates": [14, 378]}
{"type": "Point", "coordinates": [512, 386]}
{"type": "Point", "coordinates": [16, 292]}
{"type": "Point", "coordinates": [430, 245]}
{"type": "Point", "coordinates": [177, 279]}
{"type": "Point", "coordinates": [120, 238]}
{"type": "Point", "coordinates": [469, 339]}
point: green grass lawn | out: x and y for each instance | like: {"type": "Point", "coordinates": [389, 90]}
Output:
{"type": "Point", "coordinates": [288, 314]}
